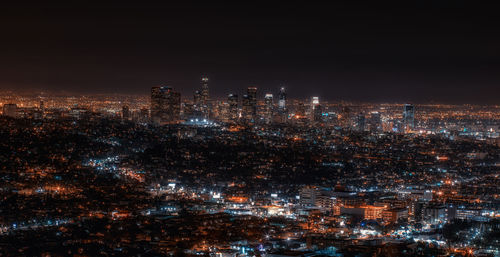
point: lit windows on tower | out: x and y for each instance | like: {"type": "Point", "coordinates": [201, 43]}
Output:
{"type": "Point", "coordinates": [165, 105]}
{"type": "Point", "coordinates": [409, 117]}
{"type": "Point", "coordinates": [232, 100]}
{"type": "Point", "coordinates": [268, 108]}
{"type": "Point", "coordinates": [249, 104]}
{"type": "Point", "coordinates": [282, 99]}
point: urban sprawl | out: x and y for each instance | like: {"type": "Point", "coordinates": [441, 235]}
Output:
{"type": "Point", "coordinates": [254, 174]}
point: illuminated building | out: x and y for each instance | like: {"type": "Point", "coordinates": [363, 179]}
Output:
{"type": "Point", "coordinates": [409, 117]}
{"type": "Point", "coordinates": [205, 97]}
{"type": "Point", "coordinates": [393, 215]}
{"type": "Point", "coordinates": [232, 100]}
{"type": "Point", "coordinates": [144, 115]}
{"type": "Point", "coordinates": [373, 212]}
{"type": "Point", "coordinates": [368, 212]}
{"type": "Point", "coordinates": [318, 113]}
{"type": "Point", "coordinates": [314, 102]}
{"type": "Point", "coordinates": [308, 195]}
{"type": "Point", "coordinates": [360, 122]}
{"type": "Point", "coordinates": [205, 106]}
{"type": "Point", "coordinates": [375, 122]}
{"type": "Point", "coordinates": [282, 100]}
{"type": "Point", "coordinates": [282, 111]}
{"type": "Point", "coordinates": [435, 214]}
{"type": "Point", "coordinates": [42, 107]}
{"type": "Point", "coordinates": [197, 100]}
{"type": "Point", "coordinates": [268, 108]}
{"type": "Point", "coordinates": [165, 105]}
{"type": "Point", "coordinates": [125, 112]}
{"type": "Point", "coordinates": [188, 111]}
{"type": "Point", "coordinates": [10, 110]}
{"type": "Point", "coordinates": [249, 104]}
{"type": "Point", "coordinates": [201, 101]}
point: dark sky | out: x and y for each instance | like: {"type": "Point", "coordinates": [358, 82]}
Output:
{"type": "Point", "coordinates": [436, 51]}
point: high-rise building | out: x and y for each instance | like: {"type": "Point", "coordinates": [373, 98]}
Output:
{"type": "Point", "coordinates": [197, 100]}
{"type": "Point", "coordinates": [268, 108]}
{"type": "Point", "coordinates": [125, 112]}
{"type": "Point", "coordinates": [42, 106]}
{"type": "Point", "coordinates": [10, 110]}
{"type": "Point", "coordinates": [314, 102]}
{"type": "Point", "coordinates": [318, 113]}
{"type": "Point", "coordinates": [375, 122]}
{"type": "Point", "coordinates": [346, 116]}
{"type": "Point", "coordinates": [205, 96]}
{"type": "Point", "coordinates": [165, 105]}
{"type": "Point", "coordinates": [202, 104]}
{"type": "Point", "coordinates": [408, 117]}
{"type": "Point", "coordinates": [282, 100]}
{"type": "Point", "coordinates": [143, 115]}
{"type": "Point", "coordinates": [249, 104]}
{"type": "Point", "coordinates": [232, 100]}
{"type": "Point", "coordinates": [360, 122]}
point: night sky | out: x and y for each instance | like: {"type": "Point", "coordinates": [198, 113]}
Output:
{"type": "Point", "coordinates": [421, 52]}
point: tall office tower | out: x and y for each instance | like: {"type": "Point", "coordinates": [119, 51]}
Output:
{"type": "Point", "coordinates": [346, 118]}
{"type": "Point", "coordinates": [232, 100]}
{"type": "Point", "coordinates": [375, 122]}
{"type": "Point", "coordinates": [314, 102]}
{"type": "Point", "coordinates": [282, 100]}
{"type": "Point", "coordinates": [408, 117]}
{"type": "Point", "coordinates": [125, 112]}
{"type": "Point", "coordinates": [144, 115]}
{"type": "Point", "coordinates": [318, 113]}
{"type": "Point", "coordinates": [360, 122]}
{"type": "Point", "coordinates": [197, 100]}
{"type": "Point", "coordinates": [268, 108]}
{"type": "Point", "coordinates": [165, 105]}
{"type": "Point", "coordinates": [299, 109]}
{"type": "Point", "coordinates": [249, 104]}
{"type": "Point", "coordinates": [188, 111]}
{"type": "Point", "coordinates": [246, 108]}
{"type": "Point", "coordinates": [205, 97]}
{"type": "Point", "coordinates": [282, 111]}
{"type": "Point", "coordinates": [42, 106]}
{"type": "Point", "coordinates": [10, 110]}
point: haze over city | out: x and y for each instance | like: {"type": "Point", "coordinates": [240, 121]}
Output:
{"type": "Point", "coordinates": [442, 51]}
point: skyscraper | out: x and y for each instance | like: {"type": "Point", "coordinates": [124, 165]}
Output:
{"type": "Point", "coordinates": [360, 122]}
{"type": "Point", "coordinates": [249, 104]}
{"type": "Point", "coordinates": [205, 97]}
{"type": "Point", "coordinates": [314, 101]}
{"type": "Point", "coordinates": [10, 110]}
{"type": "Point", "coordinates": [268, 108]}
{"type": "Point", "coordinates": [317, 113]}
{"type": "Point", "coordinates": [42, 106]}
{"type": "Point", "coordinates": [314, 104]}
{"type": "Point", "coordinates": [282, 99]}
{"type": "Point", "coordinates": [165, 105]}
{"type": "Point", "coordinates": [197, 100]}
{"type": "Point", "coordinates": [408, 117]}
{"type": "Point", "coordinates": [125, 112]}
{"type": "Point", "coordinates": [202, 99]}
{"type": "Point", "coordinates": [232, 100]}
{"type": "Point", "coordinates": [282, 112]}
{"type": "Point", "coordinates": [375, 122]}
